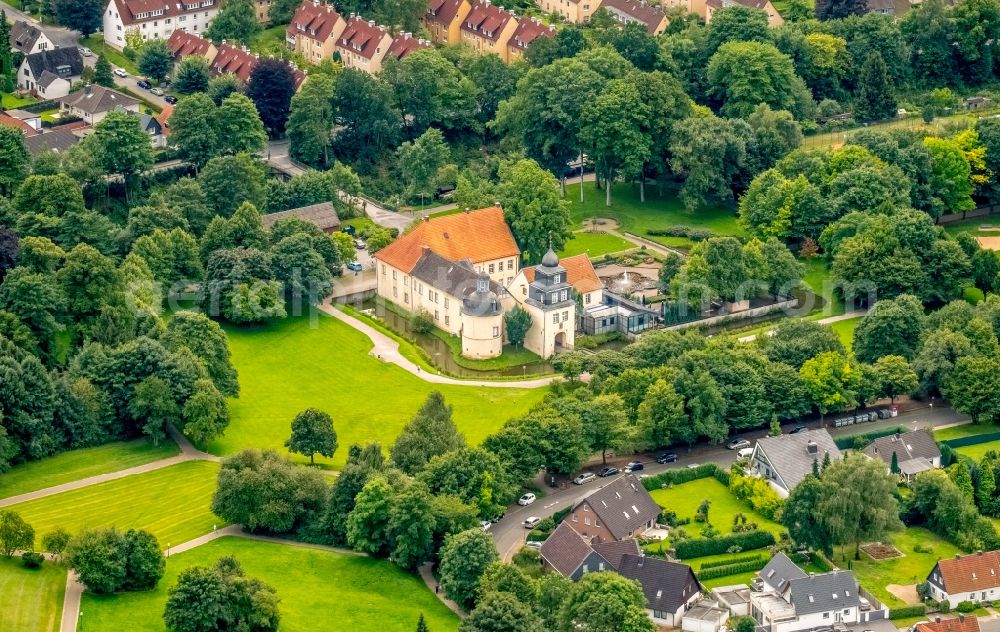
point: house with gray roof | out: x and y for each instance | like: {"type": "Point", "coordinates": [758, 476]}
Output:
{"type": "Point", "coordinates": [50, 73]}
{"type": "Point", "coordinates": [620, 510]}
{"type": "Point", "coordinates": [321, 215]}
{"type": "Point", "coordinates": [670, 587]}
{"type": "Point", "coordinates": [94, 102]}
{"type": "Point", "coordinates": [567, 553]}
{"type": "Point", "coordinates": [787, 459]}
{"type": "Point", "coordinates": [57, 140]}
{"type": "Point", "coordinates": [916, 451]}
{"type": "Point", "coordinates": [28, 38]}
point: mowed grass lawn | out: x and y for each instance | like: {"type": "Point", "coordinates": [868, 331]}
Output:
{"type": "Point", "coordinates": [594, 244]}
{"type": "Point", "coordinates": [912, 568]}
{"type": "Point", "coordinates": [657, 212]}
{"type": "Point", "coordinates": [845, 330]}
{"type": "Point", "coordinates": [319, 590]}
{"type": "Point", "coordinates": [964, 430]}
{"type": "Point", "coordinates": [685, 498]}
{"type": "Point", "coordinates": [290, 365]}
{"type": "Point", "coordinates": [173, 503]}
{"type": "Point", "coordinates": [82, 463]}
{"type": "Point", "coordinates": [31, 600]}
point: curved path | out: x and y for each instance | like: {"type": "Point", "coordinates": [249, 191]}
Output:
{"type": "Point", "coordinates": [387, 349]}
{"type": "Point", "coordinates": [858, 313]}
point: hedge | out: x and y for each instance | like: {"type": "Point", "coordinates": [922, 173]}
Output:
{"type": "Point", "coordinates": [847, 442]}
{"type": "Point", "coordinates": [905, 612]}
{"type": "Point", "coordinates": [972, 440]}
{"type": "Point", "coordinates": [731, 569]}
{"type": "Point", "coordinates": [676, 477]}
{"type": "Point", "coordinates": [820, 560]}
{"type": "Point", "coordinates": [732, 560]}
{"type": "Point", "coordinates": [748, 541]}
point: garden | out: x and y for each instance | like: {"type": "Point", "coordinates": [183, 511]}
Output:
{"type": "Point", "coordinates": [325, 364]}
{"type": "Point", "coordinates": [318, 589]}
{"type": "Point", "coordinates": [31, 599]}
{"type": "Point", "coordinates": [172, 503]}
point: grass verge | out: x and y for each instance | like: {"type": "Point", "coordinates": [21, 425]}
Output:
{"type": "Point", "coordinates": [96, 43]}
{"type": "Point", "coordinates": [31, 600]}
{"type": "Point", "coordinates": [595, 244]}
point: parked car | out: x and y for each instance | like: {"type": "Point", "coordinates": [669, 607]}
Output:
{"type": "Point", "coordinates": [485, 525]}
{"type": "Point", "coordinates": [86, 52]}
{"type": "Point", "coordinates": [145, 85]}
{"type": "Point", "coordinates": [359, 244]}
{"type": "Point", "coordinates": [667, 457]}
{"type": "Point", "coordinates": [532, 522]}
{"type": "Point", "coordinates": [348, 230]}
{"type": "Point", "coordinates": [608, 471]}
{"type": "Point", "coordinates": [744, 453]}
{"type": "Point", "coordinates": [355, 265]}
{"type": "Point", "coordinates": [586, 477]}
{"type": "Point", "coordinates": [526, 499]}
{"type": "Point", "coordinates": [169, 98]}
{"type": "Point", "coordinates": [692, 466]}
{"type": "Point", "coordinates": [634, 466]}
{"type": "Point", "coordinates": [798, 429]}
{"type": "Point", "coordinates": [120, 73]}
{"type": "Point", "coordinates": [737, 444]}
{"type": "Point", "coordinates": [157, 91]}
{"type": "Point", "coordinates": [532, 544]}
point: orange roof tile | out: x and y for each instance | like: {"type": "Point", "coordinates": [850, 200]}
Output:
{"type": "Point", "coordinates": [962, 623]}
{"type": "Point", "coordinates": [966, 573]}
{"type": "Point", "coordinates": [580, 273]}
{"type": "Point", "coordinates": [479, 236]}
{"type": "Point", "coordinates": [314, 20]}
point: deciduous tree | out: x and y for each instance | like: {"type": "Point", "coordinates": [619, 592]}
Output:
{"type": "Point", "coordinates": [312, 433]}
{"type": "Point", "coordinates": [271, 87]}
{"type": "Point", "coordinates": [155, 60]}
{"type": "Point", "coordinates": [465, 557]}
{"type": "Point", "coordinates": [431, 432]}
{"type": "Point", "coordinates": [15, 534]}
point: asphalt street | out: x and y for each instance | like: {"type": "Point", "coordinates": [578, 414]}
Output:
{"type": "Point", "coordinates": [509, 533]}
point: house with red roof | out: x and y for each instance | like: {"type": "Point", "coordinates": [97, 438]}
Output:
{"type": "Point", "coordinates": [183, 44]}
{"type": "Point", "coordinates": [706, 8]}
{"type": "Point", "coordinates": [527, 31]}
{"type": "Point", "coordinates": [637, 12]}
{"type": "Point", "coordinates": [444, 19]}
{"type": "Point", "coordinates": [363, 44]}
{"type": "Point", "coordinates": [155, 19]}
{"type": "Point", "coordinates": [234, 60]}
{"type": "Point", "coordinates": [974, 577]}
{"type": "Point", "coordinates": [488, 28]}
{"type": "Point", "coordinates": [575, 11]}
{"type": "Point", "coordinates": [404, 44]}
{"type": "Point", "coordinates": [314, 30]}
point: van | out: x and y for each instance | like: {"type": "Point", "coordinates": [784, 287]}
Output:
{"type": "Point", "coordinates": [745, 453]}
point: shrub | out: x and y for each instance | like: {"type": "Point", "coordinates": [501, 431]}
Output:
{"type": "Point", "coordinates": [758, 493]}
{"type": "Point", "coordinates": [905, 612]}
{"type": "Point", "coordinates": [731, 569]}
{"type": "Point", "coordinates": [677, 477]}
{"type": "Point", "coordinates": [547, 524]}
{"type": "Point", "coordinates": [699, 234]}
{"type": "Point", "coordinates": [922, 548]}
{"type": "Point", "coordinates": [714, 546]}
{"type": "Point", "coordinates": [30, 559]}
{"type": "Point", "coordinates": [422, 322]}
{"type": "Point", "coordinates": [732, 560]}
{"type": "Point", "coordinates": [944, 606]}
{"type": "Point", "coordinates": [965, 606]}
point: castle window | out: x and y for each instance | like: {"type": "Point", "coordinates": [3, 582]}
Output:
{"type": "Point", "coordinates": [394, 292]}
{"type": "Point", "coordinates": [491, 268]}
{"type": "Point", "coordinates": [447, 320]}
{"type": "Point", "coordinates": [565, 316]}
{"type": "Point", "coordinates": [586, 299]}
{"type": "Point", "coordinates": [446, 307]}
{"type": "Point", "coordinates": [496, 332]}
{"type": "Point", "coordinates": [406, 296]}
{"type": "Point", "coordinates": [555, 318]}
{"type": "Point", "coordinates": [393, 275]}
{"type": "Point", "coordinates": [437, 315]}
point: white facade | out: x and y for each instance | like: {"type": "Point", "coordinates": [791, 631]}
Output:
{"type": "Point", "coordinates": [192, 16]}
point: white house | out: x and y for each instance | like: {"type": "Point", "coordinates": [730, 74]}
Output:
{"type": "Point", "coordinates": [973, 577]}
{"type": "Point", "coordinates": [50, 73]}
{"type": "Point", "coordinates": [787, 459]}
{"type": "Point", "coordinates": [28, 38]}
{"type": "Point", "coordinates": [93, 103]}
{"type": "Point", "coordinates": [155, 19]}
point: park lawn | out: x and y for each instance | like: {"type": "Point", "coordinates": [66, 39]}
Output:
{"type": "Point", "coordinates": [658, 212]}
{"type": "Point", "coordinates": [82, 463]}
{"type": "Point", "coordinates": [31, 600]}
{"type": "Point", "coordinates": [318, 589]}
{"type": "Point", "coordinates": [963, 430]}
{"type": "Point", "coordinates": [172, 503]}
{"type": "Point", "coordinates": [292, 364]}
{"type": "Point", "coordinates": [845, 330]}
{"type": "Point", "coordinates": [817, 277]}
{"type": "Point", "coordinates": [912, 568]}
{"type": "Point", "coordinates": [595, 244]}
{"type": "Point", "coordinates": [685, 498]}
{"type": "Point", "coordinates": [96, 43]}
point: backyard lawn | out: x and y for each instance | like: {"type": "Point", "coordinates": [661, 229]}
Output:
{"type": "Point", "coordinates": [845, 330]}
{"type": "Point", "coordinates": [594, 244]}
{"type": "Point", "coordinates": [12, 101]}
{"type": "Point", "coordinates": [82, 463]}
{"type": "Point", "coordinates": [31, 600]}
{"type": "Point", "coordinates": [656, 213]}
{"type": "Point", "coordinates": [685, 498]}
{"type": "Point", "coordinates": [173, 503]}
{"type": "Point", "coordinates": [290, 365]}
{"type": "Point", "coordinates": [912, 568]}
{"type": "Point", "coordinates": [964, 430]}
{"type": "Point", "coordinates": [976, 452]}
{"type": "Point", "coordinates": [317, 590]}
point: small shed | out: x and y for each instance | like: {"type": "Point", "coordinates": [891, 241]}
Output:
{"type": "Point", "coordinates": [978, 103]}
{"type": "Point", "coordinates": [321, 215]}
{"type": "Point", "coordinates": [734, 598]}
{"type": "Point", "coordinates": [704, 616]}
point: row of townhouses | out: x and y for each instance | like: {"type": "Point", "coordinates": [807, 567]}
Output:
{"type": "Point", "coordinates": [225, 59]}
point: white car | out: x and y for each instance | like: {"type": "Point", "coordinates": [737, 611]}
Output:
{"type": "Point", "coordinates": [485, 525]}
{"type": "Point", "coordinates": [120, 73]}
{"type": "Point", "coordinates": [532, 522]}
{"type": "Point", "coordinates": [586, 477]}
{"type": "Point", "coordinates": [86, 52]}
{"type": "Point", "coordinates": [526, 500]}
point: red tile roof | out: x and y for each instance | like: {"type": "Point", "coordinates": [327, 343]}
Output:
{"type": "Point", "coordinates": [580, 273]}
{"type": "Point", "coordinates": [361, 36]}
{"type": "Point", "coordinates": [443, 11]}
{"type": "Point", "coordinates": [314, 20]}
{"type": "Point", "coordinates": [182, 44]}
{"type": "Point", "coordinates": [404, 44]}
{"type": "Point", "coordinates": [486, 20]}
{"type": "Point", "coordinates": [232, 60]}
{"type": "Point", "coordinates": [10, 121]}
{"type": "Point", "coordinates": [967, 573]}
{"type": "Point", "coordinates": [649, 15]}
{"type": "Point", "coordinates": [163, 118]}
{"type": "Point", "coordinates": [129, 10]}
{"type": "Point", "coordinates": [479, 236]}
{"type": "Point", "coordinates": [962, 623]}
{"type": "Point", "coordinates": [527, 31]}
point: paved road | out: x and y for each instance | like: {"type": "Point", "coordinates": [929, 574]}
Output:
{"type": "Point", "coordinates": [59, 35]}
{"type": "Point", "coordinates": [510, 535]}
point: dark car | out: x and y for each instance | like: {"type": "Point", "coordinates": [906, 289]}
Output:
{"type": "Point", "coordinates": [669, 457]}
{"type": "Point", "coordinates": [171, 99]}
{"type": "Point", "coordinates": [798, 429]}
{"type": "Point", "coordinates": [349, 230]}
{"type": "Point", "coordinates": [608, 471]}
{"type": "Point", "coordinates": [145, 85]}
{"type": "Point", "coordinates": [634, 466]}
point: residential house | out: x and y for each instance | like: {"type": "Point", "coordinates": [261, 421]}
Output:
{"type": "Point", "coordinates": [28, 38]}
{"type": "Point", "coordinates": [149, 124]}
{"type": "Point", "coordinates": [314, 30]}
{"type": "Point", "coordinates": [155, 19]}
{"type": "Point", "coordinates": [163, 118]}
{"type": "Point", "coordinates": [444, 19]}
{"type": "Point", "coordinates": [791, 600]}
{"type": "Point", "coordinates": [575, 11]}
{"type": "Point", "coordinates": [637, 12]}
{"type": "Point", "coordinates": [895, 8]}
{"type": "Point", "coordinates": [183, 44]}
{"type": "Point", "coordinates": [233, 60]}
{"type": "Point", "coordinates": [787, 459]}
{"type": "Point", "coordinates": [974, 577]}
{"type": "Point", "coordinates": [670, 587]}
{"type": "Point", "coordinates": [321, 215]}
{"type": "Point", "coordinates": [705, 9]}
{"type": "Point", "coordinates": [10, 121]}
{"type": "Point", "coordinates": [961, 623]}
{"type": "Point", "coordinates": [58, 140]}
{"type": "Point", "coordinates": [705, 615]}
{"type": "Point", "coordinates": [363, 44]}
{"type": "Point", "coordinates": [50, 73]}
{"type": "Point", "coordinates": [488, 29]}
{"type": "Point", "coordinates": [404, 44]}
{"type": "Point", "coordinates": [527, 31]}
{"type": "Point", "coordinates": [93, 103]}
{"type": "Point", "coordinates": [32, 120]}
{"type": "Point", "coordinates": [566, 552]}
{"type": "Point", "coordinates": [735, 598]}
{"type": "Point", "coordinates": [620, 510]}
{"type": "Point", "coordinates": [916, 451]}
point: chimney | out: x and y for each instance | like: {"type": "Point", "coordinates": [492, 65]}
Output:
{"type": "Point", "coordinates": [961, 618]}
{"type": "Point", "coordinates": [812, 447]}
{"type": "Point", "coordinates": [87, 90]}
{"type": "Point", "coordinates": [371, 22]}
{"type": "Point", "coordinates": [937, 619]}
{"type": "Point", "coordinates": [223, 42]}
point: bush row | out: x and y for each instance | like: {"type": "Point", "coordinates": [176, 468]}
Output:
{"type": "Point", "coordinates": [850, 442]}
{"type": "Point", "coordinates": [972, 440]}
{"type": "Point", "coordinates": [694, 234]}
{"type": "Point", "coordinates": [905, 612]}
{"type": "Point", "coordinates": [732, 560]}
{"type": "Point", "coordinates": [731, 569]}
{"type": "Point", "coordinates": [686, 475]}
{"type": "Point", "coordinates": [727, 544]}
